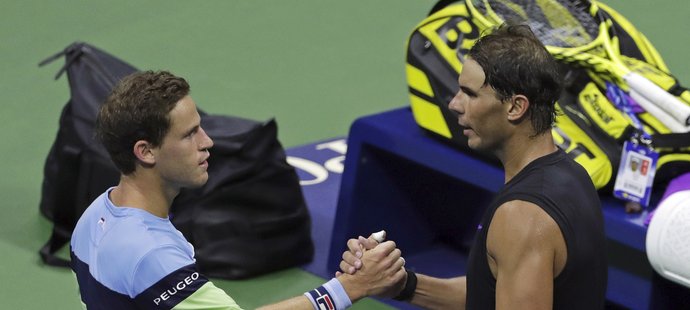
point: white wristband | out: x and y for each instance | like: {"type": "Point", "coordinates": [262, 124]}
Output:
{"type": "Point", "coordinates": [331, 296]}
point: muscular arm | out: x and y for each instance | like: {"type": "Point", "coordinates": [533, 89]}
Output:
{"type": "Point", "coordinates": [526, 251]}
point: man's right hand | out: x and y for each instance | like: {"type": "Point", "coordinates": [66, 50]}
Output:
{"type": "Point", "coordinates": [352, 258]}
{"type": "Point", "coordinates": [381, 273]}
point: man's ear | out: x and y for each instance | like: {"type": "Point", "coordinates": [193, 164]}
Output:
{"type": "Point", "coordinates": [144, 152]}
{"type": "Point", "coordinates": [517, 107]}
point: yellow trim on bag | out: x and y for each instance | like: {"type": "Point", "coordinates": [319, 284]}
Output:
{"type": "Point", "coordinates": [673, 158]}
{"type": "Point", "coordinates": [450, 55]}
{"type": "Point", "coordinates": [601, 111]}
{"type": "Point", "coordinates": [599, 168]}
{"type": "Point", "coordinates": [418, 80]}
{"type": "Point", "coordinates": [429, 116]}
{"type": "Point", "coordinates": [430, 25]}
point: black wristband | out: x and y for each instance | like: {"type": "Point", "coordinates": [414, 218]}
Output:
{"type": "Point", "coordinates": [410, 286]}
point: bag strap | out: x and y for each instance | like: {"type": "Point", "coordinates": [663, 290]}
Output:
{"type": "Point", "coordinates": [671, 140]}
{"type": "Point", "coordinates": [58, 238]}
{"type": "Point", "coordinates": [80, 50]}
{"type": "Point", "coordinates": [70, 58]}
{"type": "Point", "coordinates": [64, 216]}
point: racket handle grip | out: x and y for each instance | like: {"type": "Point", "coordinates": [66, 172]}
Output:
{"type": "Point", "coordinates": [659, 97]}
{"type": "Point", "coordinates": [665, 118]}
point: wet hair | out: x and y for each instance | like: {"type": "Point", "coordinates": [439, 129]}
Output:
{"type": "Point", "coordinates": [516, 62]}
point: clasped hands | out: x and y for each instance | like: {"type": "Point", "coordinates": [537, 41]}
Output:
{"type": "Point", "coordinates": [376, 266]}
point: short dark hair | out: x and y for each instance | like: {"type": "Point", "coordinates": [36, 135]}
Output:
{"type": "Point", "coordinates": [516, 62]}
{"type": "Point", "coordinates": [138, 109]}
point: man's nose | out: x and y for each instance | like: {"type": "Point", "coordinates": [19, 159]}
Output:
{"type": "Point", "coordinates": [455, 104]}
{"type": "Point", "coordinates": [207, 142]}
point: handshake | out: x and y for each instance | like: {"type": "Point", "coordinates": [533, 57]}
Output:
{"type": "Point", "coordinates": [374, 267]}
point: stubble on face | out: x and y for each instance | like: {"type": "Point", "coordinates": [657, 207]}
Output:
{"type": "Point", "coordinates": [479, 109]}
{"type": "Point", "coordinates": [182, 157]}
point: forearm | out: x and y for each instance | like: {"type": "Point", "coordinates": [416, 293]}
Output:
{"type": "Point", "coordinates": [436, 293]}
{"type": "Point", "coordinates": [298, 302]}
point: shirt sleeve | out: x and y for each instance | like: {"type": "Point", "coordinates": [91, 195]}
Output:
{"type": "Point", "coordinates": [208, 297]}
{"type": "Point", "coordinates": [181, 288]}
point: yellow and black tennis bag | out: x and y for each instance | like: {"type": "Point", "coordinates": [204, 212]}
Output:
{"type": "Point", "coordinates": [589, 127]}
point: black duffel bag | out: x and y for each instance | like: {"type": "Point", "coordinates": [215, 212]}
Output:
{"type": "Point", "coordinates": [250, 218]}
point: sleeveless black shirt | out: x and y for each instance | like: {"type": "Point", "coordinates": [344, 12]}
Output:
{"type": "Point", "coordinates": [562, 188]}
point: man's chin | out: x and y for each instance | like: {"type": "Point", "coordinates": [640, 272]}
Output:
{"type": "Point", "coordinates": [477, 147]}
{"type": "Point", "coordinates": [201, 181]}
{"type": "Point", "coordinates": [473, 145]}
